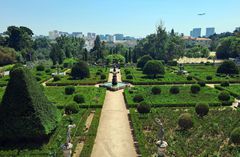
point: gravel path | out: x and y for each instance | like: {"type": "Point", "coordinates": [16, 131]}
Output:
{"type": "Point", "coordinates": [114, 138]}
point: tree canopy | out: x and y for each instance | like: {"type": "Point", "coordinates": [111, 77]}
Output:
{"type": "Point", "coordinates": [153, 68]}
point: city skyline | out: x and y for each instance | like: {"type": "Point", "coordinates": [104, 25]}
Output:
{"type": "Point", "coordinates": [135, 18]}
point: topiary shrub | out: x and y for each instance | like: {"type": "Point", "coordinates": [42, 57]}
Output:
{"type": "Point", "coordinates": [130, 77]}
{"type": "Point", "coordinates": [202, 83]}
{"type": "Point", "coordinates": [209, 78]}
{"type": "Point", "coordinates": [174, 90]}
{"type": "Point", "coordinates": [40, 67]}
{"type": "Point", "coordinates": [56, 78]}
{"type": "Point", "coordinates": [235, 136]}
{"type": "Point", "coordinates": [172, 63]}
{"type": "Point", "coordinates": [127, 71]}
{"type": "Point", "coordinates": [71, 108]}
{"type": "Point", "coordinates": [202, 109]}
{"type": "Point", "coordinates": [98, 73]}
{"type": "Point", "coordinates": [153, 68]}
{"type": "Point", "coordinates": [103, 77]}
{"type": "Point", "coordinates": [143, 108]}
{"type": "Point", "coordinates": [228, 67]}
{"type": "Point", "coordinates": [48, 71]}
{"type": "Point", "coordinates": [189, 78]}
{"type": "Point", "coordinates": [225, 84]}
{"type": "Point", "coordinates": [185, 121]}
{"type": "Point", "coordinates": [195, 88]}
{"type": "Point", "coordinates": [69, 90]}
{"type": "Point", "coordinates": [79, 99]}
{"type": "Point", "coordinates": [138, 98]}
{"type": "Point", "coordinates": [38, 78]}
{"type": "Point", "coordinates": [25, 112]}
{"type": "Point", "coordinates": [80, 70]}
{"type": "Point", "coordinates": [143, 60]}
{"type": "Point", "coordinates": [224, 96]}
{"type": "Point", "coordinates": [156, 90]}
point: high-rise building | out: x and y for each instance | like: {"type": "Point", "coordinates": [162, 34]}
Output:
{"type": "Point", "coordinates": [238, 29]}
{"type": "Point", "coordinates": [119, 36]}
{"type": "Point", "coordinates": [210, 31]}
{"type": "Point", "coordinates": [196, 32]}
{"type": "Point", "coordinates": [77, 34]}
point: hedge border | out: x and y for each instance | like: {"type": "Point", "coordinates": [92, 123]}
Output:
{"type": "Point", "coordinates": [230, 92]}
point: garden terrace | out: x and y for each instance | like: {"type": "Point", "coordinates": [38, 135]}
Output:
{"type": "Point", "coordinates": [170, 77]}
{"type": "Point", "coordinates": [53, 146]}
{"type": "Point", "coordinates": [233, 89]}
{"type": "Point", "coordinates": [166, 99]}
{"type": "Point", "coordinates": [93, 96]}
{"type": "Point", "coordinates": [95, 77]}
{"type": "Point", "coordinates": [208, 137]}
{"type": "Point", "coordinates": [200, 72]}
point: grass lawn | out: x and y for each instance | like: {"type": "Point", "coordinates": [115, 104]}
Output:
{"type": "Point", "coordinates": [201, 72]}
{"type": "Point", "coordinates": [53, 146]}
{"type": "Point", "coordinates": [170, 77]}
{"type": "Point", "coordinates": [94, 78]}
{"type": "Point", "coordinates": [94, 97]}
{"type": "Point", "coordinates": [208, 137]}
{"type": "Point", "coordinates": [233, 89]}
{"type": "Point", "coordinates": [184, 98]}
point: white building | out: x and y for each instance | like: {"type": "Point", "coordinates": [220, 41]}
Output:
{"type": "Point", "coordinates": [77, 34]}
{"type": "Point", "coordinates": [53, 34]}
{"type": "Point", "coordinates": [190, 41]}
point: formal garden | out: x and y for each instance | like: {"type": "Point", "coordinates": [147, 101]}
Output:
{"type": "Point", "coordinates": [56, 107]}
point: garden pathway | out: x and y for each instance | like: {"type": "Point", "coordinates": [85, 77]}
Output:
{"type": "Point", "coordinates": [114, 138]}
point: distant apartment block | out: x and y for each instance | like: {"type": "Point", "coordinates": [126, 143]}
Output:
{"type": "Point", "coordinates": [77, 34]}
{"type": "Point", "coordinates": [196, 33]}
{"type": "Point", "coordinates": [210, 31]}
{"type": "Point", "coordinates": [238, 29]}
{"type": "Point", "coordinates": [190, 41]}
{"type": "Point", "coordinates": [119, 36]}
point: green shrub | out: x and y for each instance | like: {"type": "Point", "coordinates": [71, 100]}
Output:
{"type": "Point", "coordinates": [228, 67]}
{"type": "Point", "coordinates": [98, 73]}
{"type": "Point", "coordinates": [138, 98]}
{"type": "Point", "coordinates": [71, 108]}
{"type": "Point", "coordinates": [56, 78]}
{"type": "Point", "coordinates": [53, 67]}
{"type": "Point", "coordinates": [47, 71]}
{"type": "Point", "coordinates": [127, 72]}
{"type": "Point", "coordinates": [80, 70]}
{"type": "Point", "coordinates": [202, 109]}
{"type": "Point", "coordinates": [143, 60]}
{"type": "Point", "coordinates": [225, 84]}
{"type": "Point", "coordinates": [185, 121]}
{"type": "Point", "coordinates": [69, 90]}
{"type": "Point", "coordinates": [153, 68]}
{"type": "Point", "coordinates": [143, 108]}
{"type": "Point", "coordinates": [39, 74]}
{"type": "Point", "coordinates": [202, 83]}
{"type": "Point", "coordinates": [25, 109]}
{"type": "Point", "coordinates": [209, 78]}
{"type": "Point", "coordinates": [156, 90]}
{"type": "Point", "coordinates": [40, 67]}
{"type": "Point", "coordinates": [172, 63]}
{"type": "Point", "coordinates": [103, 76]}
{"type": "Point", "coordinates": [79, 99]}
{"type": "Point", "coordinates": [38, 78]}
{"type": "Point", "coordinates": [129, 77]}
{"type": "Point", "coordinates": [235, 136]}
{"type": "Point", "coordinates": [189, 78]}
{"type": "Point", "coordinates": [224, 96]}
{"type": "Point", "coordinates": [174, 90]}
{"type": "Point", "coordinates": [65, 65]}
{"type": "Point", "coordinates": [195, 88]}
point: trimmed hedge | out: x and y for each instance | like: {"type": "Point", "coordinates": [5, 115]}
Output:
{"type": "Point", "coordinates": [69, 90]}
{"type": "Point", "coordinates": [25, 112]}
{"type": "Point", "coordinates": [185, 121]}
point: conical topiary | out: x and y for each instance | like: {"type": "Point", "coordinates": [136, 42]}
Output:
{"type": "Point", "coordinates": [25, 112]}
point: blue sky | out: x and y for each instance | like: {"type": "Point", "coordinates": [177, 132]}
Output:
{"type": "Point", "coordinates": [130, 17]}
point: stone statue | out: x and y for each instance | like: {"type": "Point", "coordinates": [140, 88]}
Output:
{"type": "Point", "coordinates": [114, 79]}
{"type": "Point", "coordinates": [67, 147]}
{"type": "Point", "coordinates": [161, 144]}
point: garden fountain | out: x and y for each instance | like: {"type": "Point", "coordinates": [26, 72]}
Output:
{"type": "Point", "coordinates": [114, 85]}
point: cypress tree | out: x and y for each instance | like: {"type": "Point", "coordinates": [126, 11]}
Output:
{"type": "Point", "coordinates": [25, 112]}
